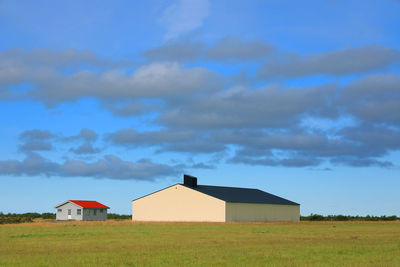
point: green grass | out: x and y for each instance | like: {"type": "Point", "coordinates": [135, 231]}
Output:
{"type": "Point", "coordinates": [201, 244]}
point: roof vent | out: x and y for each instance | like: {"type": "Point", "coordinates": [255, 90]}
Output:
{"type": "Point", "coordinates": [189, 180]}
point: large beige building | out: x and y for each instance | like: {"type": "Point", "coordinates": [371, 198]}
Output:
{"type": "Point", "coordinates": [204, 203]}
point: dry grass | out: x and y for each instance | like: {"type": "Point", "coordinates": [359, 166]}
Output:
{"type": "Point", "coordinates": [116, 243]}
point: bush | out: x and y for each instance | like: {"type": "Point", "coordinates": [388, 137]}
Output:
{"type": "Point", "coordinates": [115, 216]}
{"type": "Point", "coordinates": [24, 217]}
{"type": "Point", "coordinates": [317, 217]}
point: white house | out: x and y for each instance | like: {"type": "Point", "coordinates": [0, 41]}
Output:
{"type": "Point", "coordinates": [81, 210]}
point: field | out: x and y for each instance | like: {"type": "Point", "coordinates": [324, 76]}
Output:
{"type": "Point", "coordinates": [116, 243]}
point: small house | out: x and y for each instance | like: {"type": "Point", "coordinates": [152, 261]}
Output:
{"type": "Point", "coordinates": [81, 210]}
{"type": "Point", "coordinates": [206, 203]}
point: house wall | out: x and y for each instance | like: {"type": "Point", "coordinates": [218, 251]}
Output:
{"type": "Point", "coordinates": [63, 215]}
{"type": "Point", "coordinates": [178, 203]}
{"type": "Point", "coordinates": [255, 212]}
{"type": "Point", "coordinates": [92, 214]}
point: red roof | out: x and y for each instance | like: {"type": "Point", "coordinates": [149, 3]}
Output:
{"type": "Point", "coordinates": [89, 204]}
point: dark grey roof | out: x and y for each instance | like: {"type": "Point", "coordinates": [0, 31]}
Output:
{"type": "Point", "coordinates": [244, 195]}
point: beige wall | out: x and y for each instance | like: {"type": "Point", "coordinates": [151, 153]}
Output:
{"type": "Point", "coordinates": [254, 212]}
{"type": "Point", "coordinates": [178, 203]}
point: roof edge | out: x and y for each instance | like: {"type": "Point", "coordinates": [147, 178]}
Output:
{"type": "Point", "coordinates": [288, 204]}
{"type": "Point", "coordinates": [155, 192]}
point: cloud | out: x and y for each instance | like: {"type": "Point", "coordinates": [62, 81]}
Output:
{"type": "Point", "coordinates": [85, 148]}
{"type": "Point", "coordinates": [46, 83]}
{"type": "Point", "coordinates": [36, 140]}
{"type": "Point", "coordinates": [166, 140]}
{"type": "Point", "coordinates": [338, 62]}
{"type": "Point", "coordinates": [176, 52]}
{"type": "Point", "coordinates": [199, 111]}
{"type": "Point", "coordinates": [33, 164]}
{"type": "Point", "coordinates": [362, 162]}
{"type": "Point", "coordinates": [286, 162]}
{"type": "Point", "coordinates": [110, 167]}
{"type": "Point", "coordinates": [184, 16]}
{"type": "Point", "coordinates": [202, 165]}
{"type": "Point", "coordinates": [85, 134]}
{"type": "Point", "coordinates": [156, 80]}
{"type": "Point", "coordinates": [35, 146]}
{"type": "Point", "coordinates": [131, 107]}
{"type": "Point", "coordinates": [36, 134]}
{"type": "Point", "coordinates": [269, 106]}
{"type": "Point", "coordinates": [233, 48]}
{"type": "Point", "coordinates": [19, 65]}
{"type": "Point", "coordinates": [374, 98]}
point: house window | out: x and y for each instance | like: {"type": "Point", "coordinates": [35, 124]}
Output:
{"type": "Point", "coordinates": [94, 212]}
{"type": "Point", "coordinates": [101, 210]}
{"type": "Point", "coordinates": [69, 212]}
{"type": "Point", "coordinates": [78, 212]}
{"type": "Point", "coordinates": [59, 210]}
{"type": "Point", "coordinates": [88, 212]}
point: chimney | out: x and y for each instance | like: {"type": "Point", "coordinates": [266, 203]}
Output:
{"type": "Point", "coordinates": [189, 180]}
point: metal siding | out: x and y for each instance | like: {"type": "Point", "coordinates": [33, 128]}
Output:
{"type": "Point", "coordinates": [91, 217]}
{"type": "Point", "coordinates": [256, 212]}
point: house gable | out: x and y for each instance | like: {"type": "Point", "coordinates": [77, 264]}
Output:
{"type": "Point", "coordinates": [178, 203]}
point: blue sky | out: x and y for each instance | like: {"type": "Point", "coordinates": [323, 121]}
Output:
{"type": "Point", "coordinates": [111, 101]}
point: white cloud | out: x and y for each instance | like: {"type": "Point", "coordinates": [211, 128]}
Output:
{"type": "Point", "coordinates": [184, 16]}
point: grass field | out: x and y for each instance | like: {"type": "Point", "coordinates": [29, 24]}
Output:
{"type": "Point", "coordinates": [116, 243]}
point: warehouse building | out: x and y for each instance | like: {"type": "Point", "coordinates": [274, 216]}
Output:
{"type": "Point", "coordinates": [205, 203]}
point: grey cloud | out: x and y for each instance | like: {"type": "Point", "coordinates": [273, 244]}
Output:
{"type": "Point", "coordinates": [199, 145]}
{"type": "Point", "coordinates": [44, 82]}
{"type": "Point", "coordinates": [176, 52]}
{"type": "Point", "coordinates": [270, 106]}
{"type": "Point", "coordinates": [88, 135]}
{"type": "Point", "coordinates": [374, 98]}
{"type": "Point", "coordinates": [129, 107]}
{"type": "Point", "coordinates": [85, 148]}
{"type": "Point", "coordinates": [36, 140]}
{"type": "Point", "coordinates": [36, 134]}
{"type": "Point", "coordinates": [110, 167]}
{"type": "Point", "coordinates": [201, 165]}
{"type": "Point", "coordinates": [233, 48]}
{"type": "Point", "coordinates": [67, 58]}
{"type": "Point", "coordinates": [33, 164]}
{"type": "Point", "coordinates": [133, 137]}
{"type": "Point", "coordinates": [362, 162]}
{"type": "Point", "coordinates": [85, 134]}
{"type": "Point", "coordinates": [156, 80]}
{"type": "Point", "coordinates": [166, 140]}
{"type": "Point", "coordinates": [287, 162]}
{"type": "Point", "coordinates": [361, 145]}
{"type": "Point", "coordinates": [339, 62]}
{"type": "Point", "coordinates": [115, 168]}
{"type": "Point", "coordinates": [35, 146]}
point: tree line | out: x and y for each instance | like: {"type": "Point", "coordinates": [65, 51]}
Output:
{"type": "Point", "coordinates": [318, 217]}
{"type": "Point", "coordinates": [30, 216]}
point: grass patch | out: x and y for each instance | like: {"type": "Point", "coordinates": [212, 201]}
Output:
{"type": "Point", "coordinates": [116, 243]}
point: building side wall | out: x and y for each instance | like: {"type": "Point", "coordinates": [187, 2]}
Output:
{"type": "Point", "coordinates": [178, 203]}
{"type": "Point", "coordinates": [63, 215]}
{"type": "Point", "coordinates": [94, 214]}
{"type": "Point", "coordinates": [255, 212]}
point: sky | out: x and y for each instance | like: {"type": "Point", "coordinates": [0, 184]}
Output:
{"type": "Point", "coordinates": [112, 100]}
